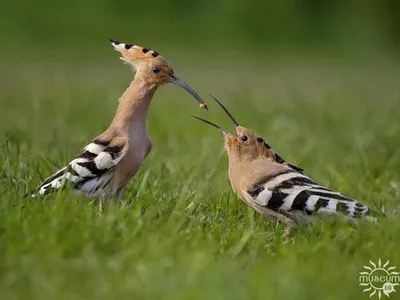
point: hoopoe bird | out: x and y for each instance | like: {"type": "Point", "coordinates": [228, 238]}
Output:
{"type": "Point", "coordinates": [276, 189]}
{"type": "Point", "coordinates": [109, 162]}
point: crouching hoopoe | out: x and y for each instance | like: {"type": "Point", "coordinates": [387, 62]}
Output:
{"type": "Point", "coordinates": [275, 188]}
{"type": "Point", "coordinates": [106, 165]}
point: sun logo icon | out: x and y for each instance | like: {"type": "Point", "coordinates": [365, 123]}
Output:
{"type": "Point", "coordinates": [379, 279]}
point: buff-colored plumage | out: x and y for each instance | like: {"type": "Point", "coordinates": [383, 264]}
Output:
{"type": "Point", "coordinates": [275, 188]}
{"type": "Point", "coordinates": [109, 162]}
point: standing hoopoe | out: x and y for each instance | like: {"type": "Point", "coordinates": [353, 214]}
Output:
{"type": "Point", "coordinates": [106, 165]}
{"type": "Point", "coordinates": [275, 188]}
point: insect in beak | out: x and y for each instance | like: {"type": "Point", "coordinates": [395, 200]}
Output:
{"type": "Point", "coordinates": [185, 86]}
{"type": "Point", "coordinates": [226, 132]}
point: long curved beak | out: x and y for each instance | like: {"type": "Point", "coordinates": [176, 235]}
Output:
{"type": "Point", "coordinates": [226, 132]}
{"type": "Point", "coordinates": [185, 86]}
{"type": "Point", "coordinates": [227, 112]}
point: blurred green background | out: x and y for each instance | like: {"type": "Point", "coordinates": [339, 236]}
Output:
{"type": "Point", "coordinates": [42, 29]}
{"type": "Point", "coordinates": [319, 80]}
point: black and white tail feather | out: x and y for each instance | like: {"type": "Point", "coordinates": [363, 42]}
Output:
{"type": "Point", "coordinates": [293, 194]}
{"type": "Point", "coordinates": [297, 197]}
{"type": "Point", "coordinates": [90, 172]}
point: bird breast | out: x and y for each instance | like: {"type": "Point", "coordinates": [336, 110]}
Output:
{"type": "Point", "coordinates": [139, 147]}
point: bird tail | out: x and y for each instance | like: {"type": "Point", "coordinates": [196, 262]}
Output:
{"type": "Point", "coordinates": [32, 193]}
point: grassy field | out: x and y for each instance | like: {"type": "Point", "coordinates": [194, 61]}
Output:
{"type": "Point", "coordinates": [180, 232]}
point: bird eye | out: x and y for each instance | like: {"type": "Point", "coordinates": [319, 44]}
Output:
{"type": "Point", "coordinates": [156, 69]}
{"type": "Point", "coordinates": [244, 138]}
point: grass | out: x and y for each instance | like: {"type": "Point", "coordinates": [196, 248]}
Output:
{"type": "Point", "coordinates": [180, 232]}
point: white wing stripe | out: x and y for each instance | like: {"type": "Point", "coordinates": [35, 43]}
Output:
{"type": "Point", "coordinates": [351, 209]}
{"type": "Point", "coordinates": [94, 148]}
{"type": "Point", "coordinates": [104, 161]}
{"type": "Point", "coordinates": [325, 191]}
{"type": "Point", "coordinates": [288, 201]}
{"type": "Point", "coordinates": [81, 171]}
{"type": "Point", "coordinates": [271, 184]}
{"type": "Point", "coordinates": [263, 197]}
{"type": "Point", "coordinates": [294, 189]}
{"type": "Point", "coordinates": [311, 201]}
{"type": "Point", "coordinates": [331, 208]}
{"type": "Point", "coordinates": [56, 184]}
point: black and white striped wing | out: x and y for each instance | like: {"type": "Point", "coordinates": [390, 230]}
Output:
{"type": "Point", "coordinates": [291, 193]}
{"type": "Point", "coordinates": [89, 171]}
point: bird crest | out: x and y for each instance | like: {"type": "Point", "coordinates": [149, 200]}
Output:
{"type": "Point", "coordinates": [132, 53]}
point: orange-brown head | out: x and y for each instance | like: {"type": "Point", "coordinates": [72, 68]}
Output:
{"type": "Point", "coordinates": [150, 66]}
{"type": "Point", "coordinates": [246, 146]}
